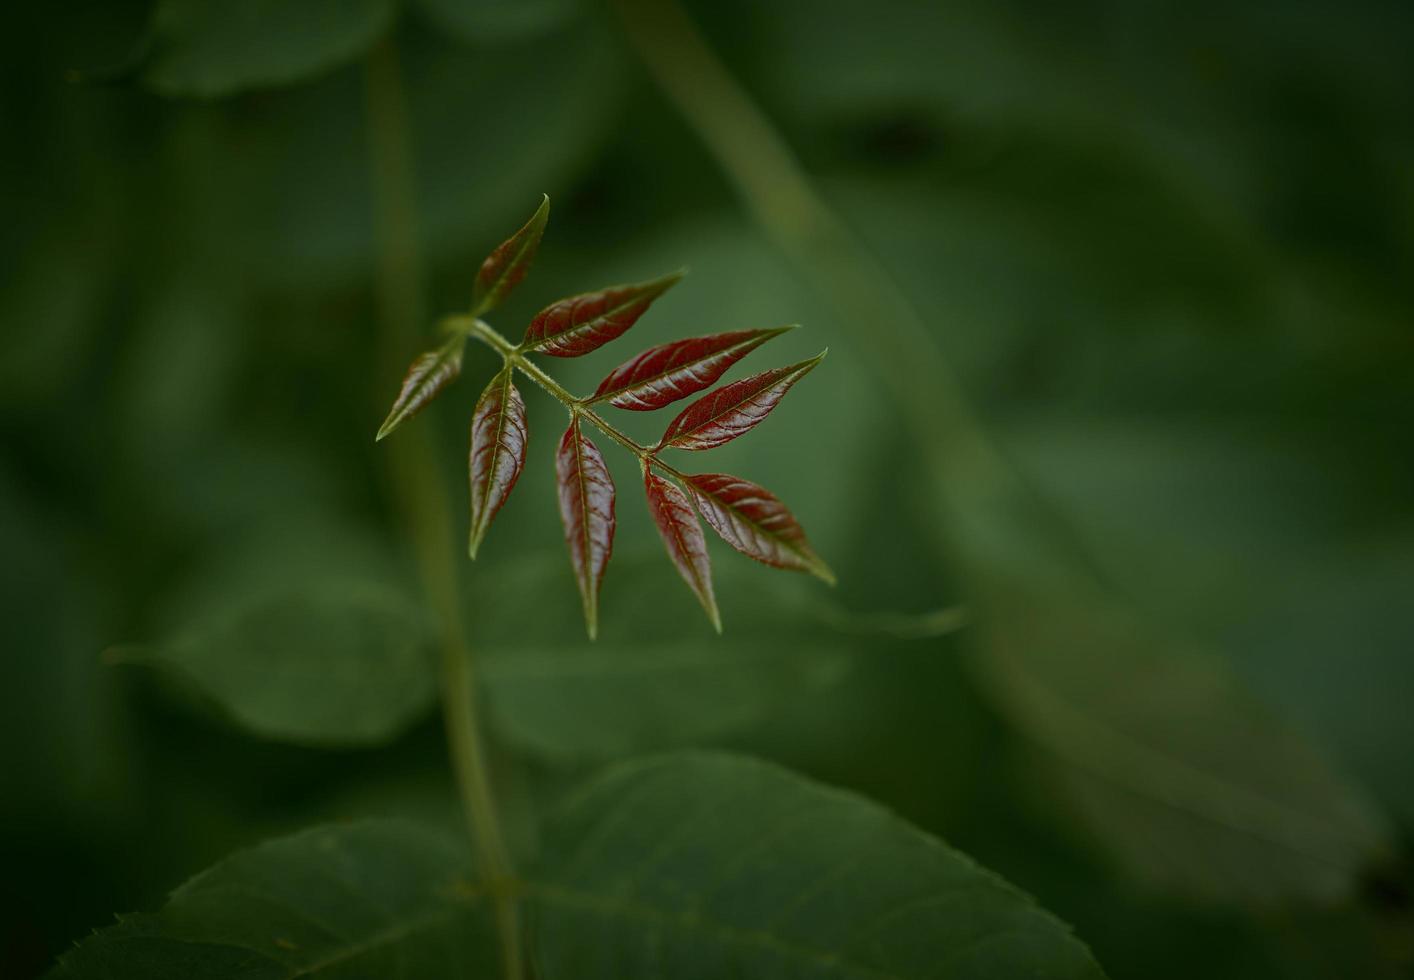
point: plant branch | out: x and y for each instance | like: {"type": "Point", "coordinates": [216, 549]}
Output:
{"type": "Point", "coordinates": [578, 407]}
{"type": "Point", "coordinates": [420, 490]}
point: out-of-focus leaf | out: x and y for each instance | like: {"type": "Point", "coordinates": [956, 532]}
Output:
{"type": "Point", "coordinates": [753, 521]}
{"type": "Point", "coordinates": [208, 48]}
{"type": "Point", "coordinates": [705, 865]}
{"type": "Point", "coordinates": [1358, 603]}
{"type": "Point", "coordinates": [735, 409]}
{"type": "Point", "coordinates": [571, 703]}
{"type": "Point", "coordinates": [427, 376]}
{"type": "Point", "coordinates": [645, 684]}
{"type": "Point", "coordinates": [488, 21]}
{"type": "Point", "coordinates": [372, 898]}
{"type": "Point", "coordinates": [1179, 774]}
{"type": "Point", "coordinates": [323, 664]}
{"type": "Point", "coordinates": [682, 535]}
{"type": "Point", "coordinates": [579, 324]}
{"type": "Point", "coordinates": [663, 374]}
{"type": "Point", "coordinates": [586, 493]}
{"type": "Point", "coordinates": [1243, 535]}
{"type": "Point", "coordinates": [505, 267]}
{"type": "Point", "coordinates": [499, 437]}
{"type": "Point", "coordinates": [278, 188]}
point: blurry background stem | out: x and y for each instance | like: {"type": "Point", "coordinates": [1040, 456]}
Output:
{"type": "Point", "coordinates": [962, 461]}
{"type": "Point", "coordinates": [419, 487]}
{"type": "Point", "coordinates": [777, 191]}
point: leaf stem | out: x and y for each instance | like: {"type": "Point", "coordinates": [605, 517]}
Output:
{"type": "Point", "coordinates": [581, 407]}
{"type": "Point", "coordinates": [421, 493]}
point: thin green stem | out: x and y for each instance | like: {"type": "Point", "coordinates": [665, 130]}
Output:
{"type": "Point", "coordinates": [421, 495]}
{"type": "Point", "coordinates": [579, 407]}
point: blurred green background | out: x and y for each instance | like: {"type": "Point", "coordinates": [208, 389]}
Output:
{"type": "Point", "coordinates": [1167, 249]}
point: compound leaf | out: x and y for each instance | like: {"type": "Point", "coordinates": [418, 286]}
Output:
{"type": "Point", "coordinates": [586, 492]}
{"type": "Point", "coordinates": [579, 324]}
{"type": "Point", "coordinates": [377, 898]}
{"type": "Point", "coordinates": [708, 865]}
{"type": "Point", "coordinates": [682, 536]}
{"type": "Point", "coordinates": [661, 375]}
{"type": "Point", "coordinates": [505, 267]}
{"type": "Point", "coordinates": [734, 409]}
{"type": "Point", "coordinates": [754, 521]}
{"type": "Point", "coordinates": [498, 442]}
{"type": "Point", "coordinates": [427, 376]}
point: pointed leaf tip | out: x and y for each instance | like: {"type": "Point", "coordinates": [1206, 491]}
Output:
{"type": "Point", "coordinates": [426, 377]}
{"type": "Point", "coordinates": [586, 497]}
{"type": "Point", "coordinates": [755, 522]}
{"type": "Point", "coordinates": [579, 324]}
{"type": "Point", "coordinates": [663, 374]}
{"type": "Point", "coordinates": [499, 434]}
{"type": "Point", "coordinates": [508, 263]}
{"type": "Point", "coordinates": [735, 409]}
{"type": "Point", "coordinates": [682, 536]}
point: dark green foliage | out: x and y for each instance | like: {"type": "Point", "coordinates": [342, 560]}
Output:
{"type": "Point", "coordinates": [1143, 652]}
{"type": "Point", "coordinates": [329, 664]}
{"type": "Point", "coordinates": [707, 866]}
{"type": "Point", "coordinates": [370, 899]}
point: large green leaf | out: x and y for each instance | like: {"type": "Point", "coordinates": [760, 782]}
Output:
{"type": "Point", "coordinates": [1097, 645]}
{"type": "Point", "coordinates": [367, 899]}
{"type": "Point", "coordinates": [324, 664]}
{"type": "Point", "coordinates": [208, 48]}
{"type": "Point", "coordinates": [707, 866]}
{"type": "Point", "coordinates": [1179, 773]}
{"type": "Point", "coordinates": [279, 187]}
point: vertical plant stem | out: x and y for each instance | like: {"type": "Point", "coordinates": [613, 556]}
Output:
{"type": "Point", "coordinates": [779, 194]}
{"type": "Point", "coordinates": [421, 493]}
{"type": "Point", "coordinates": [963, 463]}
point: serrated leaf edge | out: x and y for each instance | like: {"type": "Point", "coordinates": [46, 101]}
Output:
{"type": "Point", "coordinates": [792, 373]}
{"type": "Point", "coordinates": [649, 289]}
{"type": "Point", "coordinates": [811, 562]}
{"type": "Point", "coordinates": [746, 346]}
{"type": "Point", "coordinates": [481, 522]}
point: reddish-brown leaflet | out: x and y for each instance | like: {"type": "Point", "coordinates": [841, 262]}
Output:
{"type": "Point", "coordinates": [745, 515]}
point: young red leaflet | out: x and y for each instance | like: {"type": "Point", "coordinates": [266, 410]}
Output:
{"type": "Point", "coordinates": [754, 521]}
{"type": "Point", "coordinates": [733, 409]}
{"type": "Point", "coordinates": [428, 375]}
{"type": "Point", "coordinates": [586, 493]}
{"type": "Point", "coordinates": [505, 267]}
{"type": "Point", "coordinates": [498, 441]}
{"type": "Point", "coordinates": [745, 515]}
{"type": "Point", "coordinates": [682, 535]}
{"type": "Point", "coordinates": [661, 375]}
{"type": "Point", "coordinates": [580, 324]}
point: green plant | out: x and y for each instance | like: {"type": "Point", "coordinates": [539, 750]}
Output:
{"type": "Point", "coordinates": [748, 517]}
{"type": "Point", "coordinates": [947, 217]}
{"type": "Point", "coordinates": [698, 864]}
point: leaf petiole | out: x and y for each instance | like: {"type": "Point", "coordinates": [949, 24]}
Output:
{"type": "Point", "coordinates": [578, 407]}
